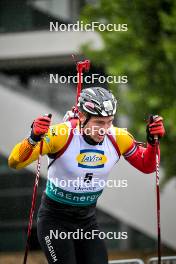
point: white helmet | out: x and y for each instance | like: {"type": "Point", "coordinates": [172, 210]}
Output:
{"type": "Point", "coordinates": [97, 101]}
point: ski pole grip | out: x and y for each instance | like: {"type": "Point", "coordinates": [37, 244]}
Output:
{"type": "Point", "coordinates": [87, 65]}
{"type": "Point", "coordinates": [155, 137]}
{"type": "Point", "coordinates": [48, 115]}
{"type": "Point", "coordinates": [151, 119]}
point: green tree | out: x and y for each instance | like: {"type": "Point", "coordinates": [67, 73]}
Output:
{"type": "Point", "coordinates": [146, 53]}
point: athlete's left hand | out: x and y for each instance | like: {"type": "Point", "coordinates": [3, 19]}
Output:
{"type": "Point", "coordinates": [155, 126]}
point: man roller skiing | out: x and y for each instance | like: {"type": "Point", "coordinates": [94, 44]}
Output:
{"type": "Point", "coordinates": [84, 149]}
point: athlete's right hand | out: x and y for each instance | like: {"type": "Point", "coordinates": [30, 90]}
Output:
{"type": "Point", "coordinates": [39, 127]}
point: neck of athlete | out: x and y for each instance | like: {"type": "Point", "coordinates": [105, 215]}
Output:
{"type": "Point", "coordinates": [90, 140]}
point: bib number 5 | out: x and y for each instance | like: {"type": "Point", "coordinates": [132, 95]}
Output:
{"type": "Point", "coordinates": [88, 177]}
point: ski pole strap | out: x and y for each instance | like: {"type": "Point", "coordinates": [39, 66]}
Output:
{"type": "Point", "coordinates": [62, 150]}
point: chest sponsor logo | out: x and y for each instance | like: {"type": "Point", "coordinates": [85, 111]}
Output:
{"type": "Point", "coordinates": [89, 158]}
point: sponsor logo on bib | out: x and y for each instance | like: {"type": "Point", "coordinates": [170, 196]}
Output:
{"type": "Point", "coordinates": [89, 158]}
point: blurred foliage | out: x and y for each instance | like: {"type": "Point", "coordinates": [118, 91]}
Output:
{"type": "Point", "coordinates": [146, 53]}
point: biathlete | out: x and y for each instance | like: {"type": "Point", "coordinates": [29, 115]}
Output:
{"type": "Point", "coordinates": [86, 148]}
